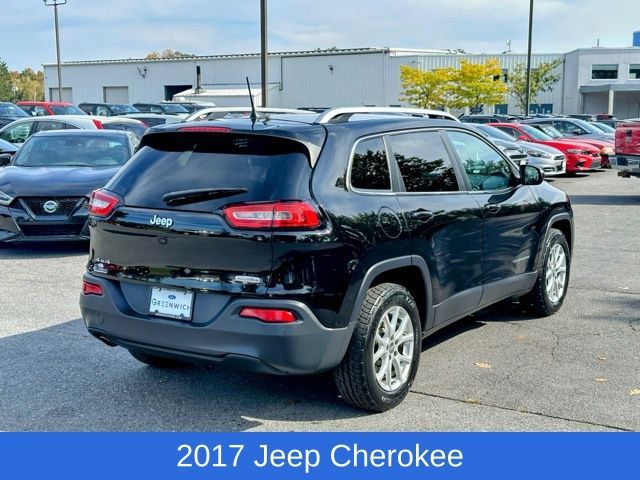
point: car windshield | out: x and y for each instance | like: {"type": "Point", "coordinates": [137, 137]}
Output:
{"type": "Point", "coordinates": [174, 108]}
{"type": "Point", "coordinates": [535, 133]}
{"type": "Point", "coordinates": [73, 150]}
{"type": "Point", "coordinates": [493, 132]}
{"type": "Point", "coordinates": [603, 127]}
{"type": "Point", "coordinates": [549, 130]}
{"type": "Point", "coordinates": [585, 125]}
{"type": "Point", "coordinates": [66, 110]}
{"type": "Point", "coordinates": [119, 109]}
{"type": "Point", "coordinates": [10, 110]}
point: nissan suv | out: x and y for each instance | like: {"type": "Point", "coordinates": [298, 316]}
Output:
{"type": "Point", "coordinates": [304, 244]}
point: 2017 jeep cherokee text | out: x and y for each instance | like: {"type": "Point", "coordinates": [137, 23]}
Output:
{"type": "Point", "coordinates": [296, 245]}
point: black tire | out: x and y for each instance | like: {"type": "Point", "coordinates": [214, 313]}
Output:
{"type": "Point", "coordinates": [537, 300]}
{"type": "Point", "coordinates": [355, 376]}
{"type": "Point", "coordinates": [155, 361]}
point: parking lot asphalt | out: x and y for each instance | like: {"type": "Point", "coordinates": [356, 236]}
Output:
{"type": "Point", "coordinates": [499, 369]}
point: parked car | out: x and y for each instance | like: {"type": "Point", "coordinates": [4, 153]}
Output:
{"type": "Point", "coordinates": [39, 109]}
{"type": "Point", "coordinates": [10, 112]}
{"type": "Point", "coordinates": [7, 148]}
{"type": "Point", "coordinates": [548, 159]}
{"type": "Point", "coordinates": [290, 248]}
{"type": "Point", "coordinates": [627, 160]}
{"type": "Point", "coordinates": [154, 119]}
{"type": "Point", "coordinates": [580, 156]}
{"type": "Point", "coordinates": [166, 108]}
{"type": "Point", "coordinates": [603, 126]}
{"type": "Point", "coordinates": [45, 188]}
{"type": "Point", "coordinates": [106, 109]}
{"type": "Point", "coordinates": [606, 147]}
{"type": "Point", "coordinates": [191, 107]}
{"type": "Point", "coordinates": [573, 127]}
{"type": "Point", "coordinates": [482, 118]}
{"type": "Point", "coordinates": [18, 131]}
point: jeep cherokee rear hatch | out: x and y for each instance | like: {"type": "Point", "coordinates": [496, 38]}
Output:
{"type": "Point", "coordinates": [196, 208]}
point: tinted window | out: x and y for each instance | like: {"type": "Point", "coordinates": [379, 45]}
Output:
{"type": "Point", "coordinates": [66, 110]}
{"type": "Point", "coordinates": [424, 163]}
{"type": "Point", "coordinates": [138, 128]}
{"type": "Point", "coordinates": [486, 168]}
{"type": "Point", "coordinates": [569, 128]}
{"type": "Point", "coordinates": [604, 72]}
{"type": "Point", "coordinates": [68, 150]}
{"type": "Point", "coordinates": [370, 169]}
{"type": "Point", "coordinates": [10, 110]}
{"type": "Point", "coordinates": [54, 125]}
{"type": "Point", "coordinates": [16, 133]}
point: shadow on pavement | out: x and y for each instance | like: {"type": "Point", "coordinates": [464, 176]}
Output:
{"type": "Point", "coordinates": [43, 250]}
{"type": "Point", "coordinates": [605, 199]}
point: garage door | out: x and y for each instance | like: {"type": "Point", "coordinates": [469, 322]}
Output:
{"type": "Point", "coordinates": [116, 94]}
{"type": "Point", "coordinates": [67, 94]}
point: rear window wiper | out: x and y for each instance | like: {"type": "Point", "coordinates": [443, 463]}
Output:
{"type": "Point", "coordinates": [185, 197]}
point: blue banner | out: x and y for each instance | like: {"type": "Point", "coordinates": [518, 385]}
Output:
{"type": "Point", "coordinates": [333, 456]}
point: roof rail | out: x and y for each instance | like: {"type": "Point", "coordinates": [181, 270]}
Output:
{"type": "Point", "coordinates": [261, 111]}
{"type": "Point", "coordinates": [342, 114]}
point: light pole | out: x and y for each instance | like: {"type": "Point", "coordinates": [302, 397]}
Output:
{"type": "Point", "coordinates": [54, 4]}
{"type": "Point", "coordinates": [264, 54]}
{"type": "Point", "coordinates": [528, 85]}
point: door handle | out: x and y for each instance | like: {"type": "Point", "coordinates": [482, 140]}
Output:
{"type": "Point", "coordinates": [493, 208]}
{"type": "Point", "coordinates": [421, 215]}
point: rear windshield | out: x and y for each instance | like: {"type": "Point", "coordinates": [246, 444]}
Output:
{"type": "Point", "coordinates": [73, 150]}
{"type": "Point", "coordinates": [174, 108]}
{"type": "Point", "coordinates": [66, 110]}
{"type": "Point", "coordinates": [9, 110]}
{"type": "Point", "coordinates": [137, 129]}
{"type": "Point", "coordinates": [268, 168]}
{"type": "Point", "coordinates": [121, 109]}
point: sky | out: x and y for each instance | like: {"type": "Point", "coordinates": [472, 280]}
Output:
{"type": "Point", "coordinates": [113, 29]}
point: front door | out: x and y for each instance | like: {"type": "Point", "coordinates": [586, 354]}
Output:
{"type": "Point", "coordinates": [510, 211]}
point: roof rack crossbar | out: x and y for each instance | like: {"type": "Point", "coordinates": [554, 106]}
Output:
{"type": "Point", "coordinates": [342, 114]}
{"type": "Point", "coordinates": [261, 111]}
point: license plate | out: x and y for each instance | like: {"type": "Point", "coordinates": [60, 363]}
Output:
{"type": "Point", "coordinates": [171, 303]}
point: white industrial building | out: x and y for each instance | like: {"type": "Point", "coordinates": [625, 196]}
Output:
{"type": "Point", "coordinates": [594, 80]}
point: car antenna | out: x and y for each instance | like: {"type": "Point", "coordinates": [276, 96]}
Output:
{"type": "Point", "coordinates": [254, 114]}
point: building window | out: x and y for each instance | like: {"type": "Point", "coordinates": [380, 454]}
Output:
{"type": "Point", "coordinates": [634, 71]}
{"type": "Point", "coordinates": [604, 72]}
{"type": "Point", "coordinates": [505, 75]}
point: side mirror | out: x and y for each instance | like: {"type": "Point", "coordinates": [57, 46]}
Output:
{"type": "Point", "coordinates": [577, 131]}
{"type": "Point", "coordinates": [5, 159]}
{"type": "Point", "coordinates": [530, 175]}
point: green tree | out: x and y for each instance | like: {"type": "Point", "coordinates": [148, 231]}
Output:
{"type": "Point", "coordinates": [426, 89]}
{"type": "Point", "coordinates": [28, 85]}
{"type": "Point", "coordinates": [168, 53]}
{"type": "Point", "coordinates": [6, 85]}
{"type": "Point", "coordinates": [477, 84]}
{"type": "Point", "coordinates": [543, 79]}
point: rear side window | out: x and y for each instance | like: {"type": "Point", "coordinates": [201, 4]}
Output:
{"type": "Point", "coordinates": [268, 168]}
{"type": "Point", "coordinates": [424, 163]}
{"type": "Point", "coordinates": [370, 168]}
{"type": "Point", "coordinates": [486, 169]}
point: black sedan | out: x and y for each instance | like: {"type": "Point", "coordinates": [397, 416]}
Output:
{"type": "Point", "coordinates": [44, 190]}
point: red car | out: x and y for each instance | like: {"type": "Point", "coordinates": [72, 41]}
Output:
{"type": "Point", "coordinates": [38, 109]}
{"type": "Point", "coordinates": [627, 159]}
{"type": "Point", "coordinates": [581, 156]}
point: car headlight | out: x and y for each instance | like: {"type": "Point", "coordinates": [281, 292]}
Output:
{"type": "Point", "coordinates": [577, 151]}
{"type": "Point", "coordinates": [538, 154]}
{"type": "Point", "coordinates": [607, 151]}
{"type": "Point", "coordinates": [5, 199]}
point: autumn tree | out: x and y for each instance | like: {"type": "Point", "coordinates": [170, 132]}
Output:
{"type": "Point", "coordinates": [543, 79]}
{"type": "Point", "coordinates": [426, 88]}
{"type": "Point", "coordinates": [477, 84]}
{"type": "Point", "coordinates": [167, 53]}
{"type": "Point", "coordinates": [6, 86]}
{"type": "Point", "coordinates": [28, 85]}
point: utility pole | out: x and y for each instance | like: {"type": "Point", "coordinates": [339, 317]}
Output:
{"type": "Point", "coordinates": [528, 86]}
{"type": "Point", "coordinates": [54, 4]}
{"type": "Point", "coordinates": [264, 54]}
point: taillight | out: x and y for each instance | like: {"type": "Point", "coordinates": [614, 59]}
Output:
{"type": "Point", "coordinates": [103, 202]}
{"type": "Point", "coordinates": [98, 124]}
{"type": "Point", "coordinates": [89, 288]}
{"type": "Point", "coordinates": [268, 315]}
{"type": "Point", "coordinates": [273, 215]}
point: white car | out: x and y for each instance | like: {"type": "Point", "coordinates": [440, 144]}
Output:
{"type": "Point", "coordinates": [18, 131]}
{"type": "Point", "coordinates": [153, 119]}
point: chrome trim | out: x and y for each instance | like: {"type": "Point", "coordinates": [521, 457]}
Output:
{"type": "Point", "coordinates": [327, 116]}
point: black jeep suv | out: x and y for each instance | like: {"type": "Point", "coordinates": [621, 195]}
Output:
{"type": "Point", "coordinates": [301, 244]}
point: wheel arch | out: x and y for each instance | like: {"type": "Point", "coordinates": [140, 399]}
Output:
{"type": "Point", "coordinates": [562, 221]}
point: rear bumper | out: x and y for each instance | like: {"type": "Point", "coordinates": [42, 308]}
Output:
{"type": "Point", "coordinates": [303, 347]}
{"type": "Point", "coordinates": [628, 164]}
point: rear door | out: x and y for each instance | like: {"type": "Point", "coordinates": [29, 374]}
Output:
{"type": "Point", "coordinates": [510, 211]}
{"type": "Point", "coordinates": [444, 222]}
